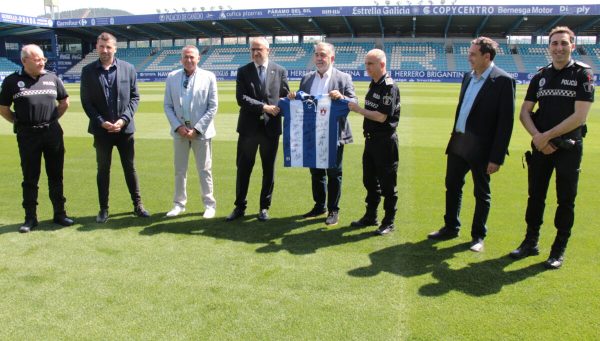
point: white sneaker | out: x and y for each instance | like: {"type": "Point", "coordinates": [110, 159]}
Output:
{"type": "Point", "coordinates": [209, 213]}
{"type": "Point", "coordinates": [175, 211]}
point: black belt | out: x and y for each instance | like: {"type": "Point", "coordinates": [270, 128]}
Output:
{"type": "Point", "coordinates": [378, 134]}
{"type": "Point", "coordinates": [40, 127]}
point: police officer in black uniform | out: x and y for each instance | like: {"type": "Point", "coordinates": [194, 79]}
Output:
{"type": "Point", "coordinates": [564, 91]}
{"type": "Point", "coordinates": [380, 157]}
{"type": "Point", "coordinates": [34, 93]}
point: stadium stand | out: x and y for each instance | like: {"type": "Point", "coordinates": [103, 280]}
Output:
{"type": "Point", "coordinates": [8, 66]}
{"type": "Point", "coordinates": [417, 56]}
{"type": "Point", "coordinates": [349, 55]}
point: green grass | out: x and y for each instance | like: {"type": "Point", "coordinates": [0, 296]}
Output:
{"type": "Point", "coordinates": [289, 278]}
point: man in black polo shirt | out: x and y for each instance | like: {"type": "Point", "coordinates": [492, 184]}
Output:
{"type": "Point", "coordinates": [564, 91]}
{"type": "Point", "coordinates": [34, 93]}
{"type": "Point", "coordinates": [380, 158]}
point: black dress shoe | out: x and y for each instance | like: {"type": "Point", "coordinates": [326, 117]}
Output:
{"type": "Point", "coordinates": [315, 212]}
{"type": "Point", "coordinates": [263, 215]}
{"type": "Point", "coordinates": [102, 216]}
{"type": "Point", "coordinates": [384, 229]}
{"type": "Point", "coordinates": [443, 234]}
{"type": "Point", "coordinates": [554, 263]}
{"type": "Point", "coordinates": [235, 214]}
{"type": "Point", "coordinates": [63, 220]}
{"type": "Point", "coordinates": [524, 250]}
{"type": "Point", "coordinates": [364, 222]}
{"type": "Point", "coordinates": [28, 225]}
{"type": "Point", "coordinates": [141, 212]}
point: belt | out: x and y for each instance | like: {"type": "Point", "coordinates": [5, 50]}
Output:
{"type": "Point", "coordinates": [377, 134]}
{"type": "Point", "coordinates": [40, 127]}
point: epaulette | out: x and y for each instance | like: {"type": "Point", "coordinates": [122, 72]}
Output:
{"type": "Point", "coordinates": [389, 81]}
{"type": "Point", "coordinates": [582, 64]}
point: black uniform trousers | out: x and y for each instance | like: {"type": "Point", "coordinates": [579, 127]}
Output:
{"type": "Point", "coordinates": [104, 144]}
{"type": "Point", "coordinates": [456, 170]}
{"type": "Point", "coordinates": [246, 155]}
{"type": "Point", "coordinates": [380, 167]}
{"type": "Point", "coordinates": [540, 168]}
{"type": "Point", "coordinates": [33, 143]}
{"type": "Point", "coordinates": [327, 184]}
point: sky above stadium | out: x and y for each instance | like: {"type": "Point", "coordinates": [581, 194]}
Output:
{"type": "Point", "coordinates": [36, 7]}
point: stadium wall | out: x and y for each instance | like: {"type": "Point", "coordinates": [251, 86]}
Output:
{"type": "Point", "coordinates": [357, 75]}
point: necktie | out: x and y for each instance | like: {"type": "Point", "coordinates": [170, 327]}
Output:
{"type": "Point", "coordinates": [261, 76]}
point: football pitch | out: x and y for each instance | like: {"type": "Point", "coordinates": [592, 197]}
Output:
{"type": "Point", "coordinates": [291, 278]}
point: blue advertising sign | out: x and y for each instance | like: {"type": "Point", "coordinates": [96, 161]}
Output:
{"type": "Point", "coordinates": [25, 20]}
{"type": "Point", "coordinates": [441, 10]}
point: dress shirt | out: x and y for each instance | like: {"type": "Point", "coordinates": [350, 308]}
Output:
{"type": "Point", "coordinates": [108, 79]}
{"type": "Point", "coordinates": [187, 95]}
{"type": "Point", "coordinates": [320, 84]}
{"type": "Point", "coordinates": [470, 94]}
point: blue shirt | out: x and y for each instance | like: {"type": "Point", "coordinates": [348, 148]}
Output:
{"type": "Point", "coordinates": [470, 94]}
{"type": "Point", "coordinates": [108, 79]}
{"type": "Point", "coordinates": [187, 95]}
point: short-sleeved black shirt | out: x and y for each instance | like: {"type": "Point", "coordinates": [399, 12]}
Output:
{"type": "Point", "coordinates": [34, 98]}
{"type": "Point", "coordinates": [557, 90]}
{"type": "Point", "coordinates": [383, 96]}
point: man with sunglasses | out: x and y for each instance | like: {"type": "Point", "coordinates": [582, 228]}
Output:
{"type": "Point", "coordinates": [39, 99]}
{"type": "Point", "coordinates": [191, 105]}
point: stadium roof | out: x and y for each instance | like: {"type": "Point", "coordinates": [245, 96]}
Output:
{"type": "Point", "coordinates": [356, 21]}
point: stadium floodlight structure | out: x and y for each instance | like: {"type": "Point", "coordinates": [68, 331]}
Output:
{"type": "Point", "coordinates": [50, 6]}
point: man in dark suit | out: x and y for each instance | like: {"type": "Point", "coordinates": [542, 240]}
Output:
{"type": "Point", "coordinates": [110, 97]}
{"type": "Point", "coordinates": [479, 141]}
{"type": "Point", "coordinates": [337, 84]}
{"type": "Point", "coordinates": [259, 85]}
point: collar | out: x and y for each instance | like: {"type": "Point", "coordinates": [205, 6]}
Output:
{"type": "Point", "coordinates": [190, 76]}
{"type": "Point", "coordinates": [266, 65]}
{"type": "Point", "coordinates": [99, 65]}
{"type": "Point", "coordinates": [23, 73]}
{"type": "Point", "coordinates": [382, 79]}
{"type": "Point", "coordinates": [327, 73]}
{"type": "Point", "coordinates": [485, 73]}
{"type": "Point", "coordinates": [569, 64]}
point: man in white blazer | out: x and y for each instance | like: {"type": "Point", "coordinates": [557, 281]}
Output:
{"type": "Point", "coordinates": [191, 105]}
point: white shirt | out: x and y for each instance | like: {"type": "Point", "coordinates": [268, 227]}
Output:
{"type": "Point", "coordinates": [321, 84]}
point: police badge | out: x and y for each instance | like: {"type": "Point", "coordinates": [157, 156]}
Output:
{"type": "Point", "coordinates": [387, 100]}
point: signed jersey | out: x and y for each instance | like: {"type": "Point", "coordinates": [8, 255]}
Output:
{"type": "Point", "coordinates": [310, 130]}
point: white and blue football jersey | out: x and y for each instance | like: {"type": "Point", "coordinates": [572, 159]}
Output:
{"type": "Point", "coordinates": [310, 130]}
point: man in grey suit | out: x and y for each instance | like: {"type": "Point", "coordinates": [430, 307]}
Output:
{"type": "Point", "coordinates": [110, 97]}
{"type": "Point", "coordinates": [191, 105]}
{"type": "Point", "coordinates": [337, 84]}
{"type": "Point", "coordinates": [258, 87]}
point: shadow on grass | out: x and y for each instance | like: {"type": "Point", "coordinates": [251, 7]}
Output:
{"type": "Point", "coordinates": [478, 279]}
{"type": "Point", "coordinates": [415, 259]}
{"type": "Point", "coordinates": [408, 259]}
{"type": "Point", "coordinates": [251, 231]}
{"type": "Point", "coordinates": [44, 225]}
{"type": "Point", "coordinates": [310, 241]}
{"type": "Point", "coordinates": [115, 221]}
